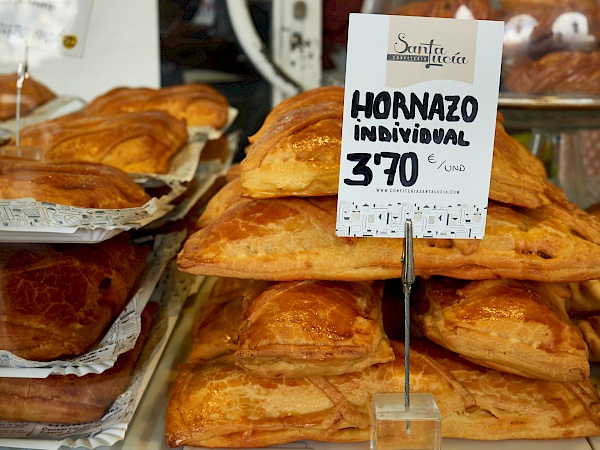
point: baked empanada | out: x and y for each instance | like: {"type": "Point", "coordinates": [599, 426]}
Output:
{"type": "Point", "coordinates": [310, 328]}
{"type": "Point", "coordinates": [518, 327]}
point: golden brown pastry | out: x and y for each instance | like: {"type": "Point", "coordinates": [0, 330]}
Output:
{"type": "Point", "coordinates": [518, 327]}
{"type": "Point", "coordinates": [311, 328]}
{"type": "Point", "coordinates": [557, 72]}
{"type": "Point", "coordinates": [142, 141]}
{"type": "Point", "coordinates": [215, 330]}
{"type": "Point", "coordinates": [58, 300]}
{"type": "Point", "coordinates": [81, 184]}
{"type": "Point", "coordinates": [298, 154]}
{"type": "Point", "coordinates": [33, 94]}
{"type": "Point", "coordinates": [220, 405]}
{"type": "Point", "coordinates": [223, 199]}
{"type": "Point", "coordinates": [294, 239]}
{"type": "Point", "coordinates": [518, 177]}
{"type": "Point", "coordinates": [69, 399]}
{"type": "Point", "coordinates": [286, 108]}
{"type": "Point", "coordinates": [198, 103]}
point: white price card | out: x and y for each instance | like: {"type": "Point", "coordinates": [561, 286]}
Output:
{"type": "Point", "coordinates": [53, 25]}
{"type": "Point", "coordinates": [420, 108]}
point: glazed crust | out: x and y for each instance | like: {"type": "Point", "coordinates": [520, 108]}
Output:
{"type": "Point", "coordinates": [518, 327]}
{"type": "Point", "coordinates": [198, 104]}
{"type": "Point", "coordinates": [476, 403]}
{"type": "Point", "coordinates": [58, 300]}
{"type": "Point", "coordinates": [294, 239]}
{"type": "Point", "coordinates": [142, 141]}
{"type": "Point", "coordinates": [345, 333]}
{"type": "Point", "coordinates": [298, 154]}
{"type": "Point", "coordinates": [69, 399]}
{"type": "Point", "coordinates": [81, 184]}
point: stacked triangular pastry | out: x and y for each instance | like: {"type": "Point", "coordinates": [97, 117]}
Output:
{"type": "Point", "coordinates": [498, 348]}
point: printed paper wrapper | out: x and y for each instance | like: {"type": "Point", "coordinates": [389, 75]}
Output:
{"type": "Point", "coordinates": [172, 290]}
{"type": "Point", "coordinates": [120, 337]}
{"type": "Point", "coordinates": [27, 220]}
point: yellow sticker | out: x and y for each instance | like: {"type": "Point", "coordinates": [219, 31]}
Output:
{"type": "Point", "coordinates": [69, 41]}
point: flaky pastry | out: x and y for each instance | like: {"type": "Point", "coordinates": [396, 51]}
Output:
{"type": "Point", "coordinates": [298, 154]}
{"type": "Point", "coordinates": [221, 405]}
{"type": "Point", "coordinates": [294, 239]}
{"type": "Point", "coordinates": [143, 141]}
{"type": "Point", "coordinates": [311, 97]}
{"type": "Point", "coordinates": [198, 104]}
{"type": "Point", "coordinates": [215, 331]}
{"type": "Point", "coordinates": [81, 184]}
{"type": "Point", "coordinates": [310, 328]}
{"type": "Point", "coordinates": [513, 326]}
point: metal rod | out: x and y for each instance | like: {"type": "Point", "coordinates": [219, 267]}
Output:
{"type": "Point", "coordinates": [22, 75]}
{"type": "Point", "coordinates": [408, 278]}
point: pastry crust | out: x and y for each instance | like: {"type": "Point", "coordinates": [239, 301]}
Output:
{"type": "Point", "coordinates": [81, 184]}
{"type": "Point", "coordinates": [215, 331]}
{"type": "Point", "coordinates": [298, 154]}
{"type": "Point", "coordinates": [294, 239]}
{"type": "Point", "coordinates": [33, 94]}
{"type": "Point", "coordinates": [518, 327]}
{"type": "Point", "coordinates": [70, 399]}
{"type": "Point", "coordinates": [220, 405]}
{"type": "Point", "coordinates": [286, 108]}
{"type": "Point", "coordinates": [344, 332]}
{"type": "Point", "coordinates": [142, 142]}
{"type": "Point", "coordinates": [58, 300]}
{"type": "Point", "coordinates": [198, 104]}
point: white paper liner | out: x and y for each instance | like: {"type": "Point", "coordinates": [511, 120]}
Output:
{"type": "Point", "coordinates": [27, 220]}
{"type": "Point", "coordinates": [59, 106]}
{"type": "Point", "coordinates": [183, 165]}
{"type": "Point", "coordinates": [119, 338]}
{"type": "Point", "coordinates": [173, 289]}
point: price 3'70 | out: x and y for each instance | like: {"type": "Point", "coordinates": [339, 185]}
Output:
{"type": "Point", "coordinates": [405, 166]}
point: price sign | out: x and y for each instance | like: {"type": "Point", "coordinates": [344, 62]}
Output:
{"type": "Point", "coordinates": [421, 97]}
{"type": "Point", "coordinates": [59, 25]}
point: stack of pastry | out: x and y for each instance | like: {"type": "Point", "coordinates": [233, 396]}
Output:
{"type": "Point", "coordinates": [309, 328]}
{"type": "Point", "coordinates": [137, 130]}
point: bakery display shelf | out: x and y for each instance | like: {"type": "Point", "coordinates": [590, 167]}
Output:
{"type": "Point", "coordinates": [146, 431]}
{"type": "Point", "coordinates": [128, 410]}
{"type": "Point", "coordinates": [523, 112]}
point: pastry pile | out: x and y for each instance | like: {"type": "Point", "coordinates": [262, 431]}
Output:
{"type": "Point", "coordinates": [310, 324]}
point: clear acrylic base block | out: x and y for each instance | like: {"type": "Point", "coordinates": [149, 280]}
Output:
{"type": "Point", "coordinates": [394, 427]}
